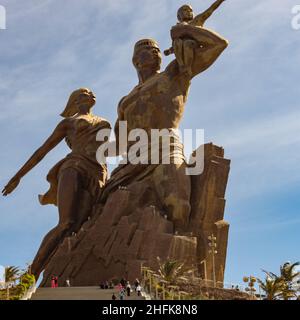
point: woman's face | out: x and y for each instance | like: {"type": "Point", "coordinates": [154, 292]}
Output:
{"type": "Point", "coordinates": [86, 98]}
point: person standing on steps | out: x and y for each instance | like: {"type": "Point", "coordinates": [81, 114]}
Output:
{"type": "Point", "coordinates": [52, 281]}
{"type": "Point", "coordinates": [68, 283]}
{"type": "Point", "coordinates": [128, 289]}
{"type": "Point", "coordinates": [56, 281]}
{"type": "Point", "coordinates": [138, 290]}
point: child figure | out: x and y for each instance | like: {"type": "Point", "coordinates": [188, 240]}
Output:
{"type": "Point", "coordinates": [184, 48]}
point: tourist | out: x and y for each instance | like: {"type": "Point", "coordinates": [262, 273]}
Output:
{"type": "Point", "coordinates": [122, 294]}
{"type": "Point", "coordinates": [52, 281]}
{"type": "Point", "coordinates": [119, 287]}
{"type": "Point", "coordinates": [138, 289]}
{"type": "Point", "coordinates": [56, 281]}
{"type": "Point", "coordinates": [128, 288]}
{"type": "Point", "coordinates": [136, 283]}
{"type": "Point", "coordinates": [68, 283]}
{"type": "Point", "coordinates": [123, 282]}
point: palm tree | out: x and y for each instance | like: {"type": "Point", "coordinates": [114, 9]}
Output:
{"type": "Point", "coordinates": [10, 275]}
{"type": "Point", "coordinates": [289, 276]}
{"type": "Point", "coordinates": [27, 279]}
{"type": "Point", "coordinates": [173, 271]}
{"type": "Point", "coordinates": [272, 285]}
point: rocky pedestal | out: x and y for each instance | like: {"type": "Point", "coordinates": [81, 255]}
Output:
{"type": "Point", "coordinates": [131, 230]}
{"type": "Point", "coordinates": [208, 205]}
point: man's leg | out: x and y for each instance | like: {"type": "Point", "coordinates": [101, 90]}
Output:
{"type": "Point", "coordinates": [173, 187]}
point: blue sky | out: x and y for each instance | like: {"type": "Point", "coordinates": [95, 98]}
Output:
{"type": "Point", "coordinates": [248, 102]}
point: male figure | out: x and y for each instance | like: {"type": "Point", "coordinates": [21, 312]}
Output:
{"type": "Point", "coordinates": [157, 102]}
{"type": "Point", "coordinates": [185, 47]}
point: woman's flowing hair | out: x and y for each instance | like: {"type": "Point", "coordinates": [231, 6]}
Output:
{"type": "Point", "coordinates": [71, 107]}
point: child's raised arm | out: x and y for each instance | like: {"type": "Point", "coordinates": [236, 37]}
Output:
{"type": "Point", "coordinates": [200, 19]}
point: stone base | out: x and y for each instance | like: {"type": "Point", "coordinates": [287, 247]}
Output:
{"type": "Point", "coordinates": [112, 245]}
{"type": "Point", "coordinates": [131, 230]}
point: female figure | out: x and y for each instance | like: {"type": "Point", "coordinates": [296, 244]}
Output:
{"type": "Point", "coordinates": [75, 181]}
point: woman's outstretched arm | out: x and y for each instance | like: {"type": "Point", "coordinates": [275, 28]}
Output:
{"type": "Point", "coordinates": [58, 134]}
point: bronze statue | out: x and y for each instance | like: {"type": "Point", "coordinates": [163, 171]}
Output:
{"type": "Point", "coordinates": [75, 181]}
{"type": "Point", "coordinates": [119, 236]}
{"type": "Point", "coordinates": [185, 47]}
{"type": "Point", "coordinates": [157, 102]}
{"type": "Point", "coordinates": [185, 14]}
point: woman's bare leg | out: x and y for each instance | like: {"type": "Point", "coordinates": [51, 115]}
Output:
{"type": "Point", "coordinates": [68, 195]}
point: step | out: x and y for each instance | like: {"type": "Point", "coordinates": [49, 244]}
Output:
{"type": "Point", "coordinates": [79, 293]}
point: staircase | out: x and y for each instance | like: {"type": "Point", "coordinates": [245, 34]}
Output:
{"type": "Point", "coordinates": [79, 293]}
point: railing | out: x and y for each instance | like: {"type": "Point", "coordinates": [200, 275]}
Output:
{"type": "Point", "coordinates": [156, 288]}
{"type": "Point", "coordinates": [29, 292]}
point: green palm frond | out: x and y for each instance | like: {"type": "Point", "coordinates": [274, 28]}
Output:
{"type": "Point", "coordinates": [11, 274]}
{"type": "Point", "coordinates": [272, 286]}
{"type": "Point", "coordinates": [270, 274]}
{"type": "Point", "coordinates": [27, 279]}
{"type": "Point", "coordinates": [289, 276]}
{"type": "Point", "coordinates": [280, 286]}
{"type": "Point", "coordinates": [288, 272]}
{"type": "Point", "coordinates": [174, 271]}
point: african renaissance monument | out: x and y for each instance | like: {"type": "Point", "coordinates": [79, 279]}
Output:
{"type": "Point", "coordinates": [109, 227]}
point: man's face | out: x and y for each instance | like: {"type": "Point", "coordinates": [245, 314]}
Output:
{"type": "Point", "coordinates": [186, 14]}
{"type": "Point", "coordinates": [147, 57]}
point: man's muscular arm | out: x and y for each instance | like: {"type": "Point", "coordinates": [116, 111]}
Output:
{"type": "Point", "coordinates": [207, 48]}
